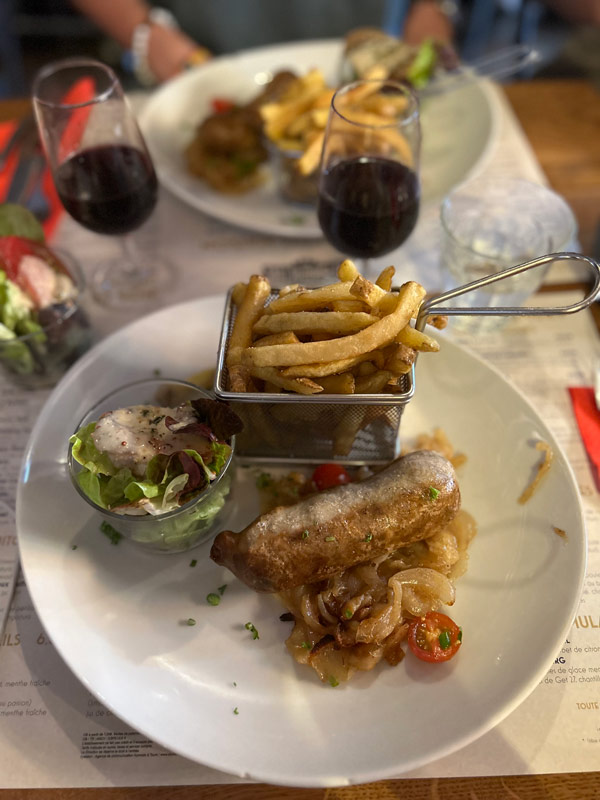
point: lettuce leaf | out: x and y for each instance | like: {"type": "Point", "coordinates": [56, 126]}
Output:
{"type": "Point", "coordinates": [16, 220]}
{"type": "Point", "coordinates": [87, 454]}
{"type": "Point", "coordinates": [421, 69]}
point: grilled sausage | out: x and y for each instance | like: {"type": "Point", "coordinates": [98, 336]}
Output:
{"type": "Point", "coordinates": [323, 534]}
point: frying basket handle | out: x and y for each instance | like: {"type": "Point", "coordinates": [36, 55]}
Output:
{"type": "Point", "coordinates": [434, 303]}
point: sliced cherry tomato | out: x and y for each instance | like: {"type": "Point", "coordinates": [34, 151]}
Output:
{"type": "Point", "coordinates": [327, 475]}
{"type": "Point", "coordinates": [221, 104]}
{"type": "Point", "coordinates": [434, 637]}
{"type": "Point", "coordinates": [13, 248]}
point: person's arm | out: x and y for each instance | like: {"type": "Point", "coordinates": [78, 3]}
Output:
{"type": "Point", "coordinates": [169, 49]}
{"type": "Point", "coordinates": [427, 19]}
{"type": "Point", "coordinates": [577, 11]}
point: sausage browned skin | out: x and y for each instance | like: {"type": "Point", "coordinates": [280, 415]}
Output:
{"type": "Point", "coordinates": [328, 532]}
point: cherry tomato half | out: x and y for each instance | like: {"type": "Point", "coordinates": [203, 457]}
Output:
{"type": "Point", "coordinates": [221, 104]}
{"type": "Point", "coordinates": [434, 637]}
{"type": "Point", "coordinates": [327, 475]}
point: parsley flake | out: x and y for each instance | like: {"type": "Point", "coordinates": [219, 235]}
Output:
{"type": "Point", "coordinates": [235, 711]}
{"type": "Point", "coordinates": [213, 599]}
{"type": "Point", "coordinates": [193, 562]}
{"type": "Point", "coordinates": [433, 493]}
{"type": "Point", "coordinates": [330, 539]}
{"type": "Point", "coordinates": [368, 537]}
{"type": "Point", "coordinates": [73, 547]}
{"type": "Point", "coordinates": [307, 645]}
{"type": "Point", "coordinates": [333, 681]}
{"type": "Point", "coordinates": [113, 534]}
{"type": "Point", "coordinates": [263, 480]}
{"type": "Point", "coordinates": [305, 534]}
{"type": "Point", "coordinates": [191, 621]}
{"type": "Point", "coordinates": [156, 371]}
{"type": "Point", "coordinates": [221, 589]}
{"type": "Point", "coordinates": [348, 613]}
{"type": "Point", "coordinates": [250, 627]}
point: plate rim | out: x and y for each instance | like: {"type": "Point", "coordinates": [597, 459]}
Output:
{"type": "Point", "coordinates": [267, 776]}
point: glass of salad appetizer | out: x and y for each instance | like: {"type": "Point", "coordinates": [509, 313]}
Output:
{"type": "Point", "coordinates": [43, 328]}
{"type": "Point", "coordinates": [154, 458]}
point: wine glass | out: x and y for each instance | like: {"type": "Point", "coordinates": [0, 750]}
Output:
{"type": "Point", "coordinates": [102, 171]}
{"type": "Point", "coordinates": [369, 186]}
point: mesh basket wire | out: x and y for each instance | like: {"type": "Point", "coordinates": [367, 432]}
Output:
{"type": "Point", "coordinates": [294, 428]}
{"type": "Point", "coordinates": [357, 428]}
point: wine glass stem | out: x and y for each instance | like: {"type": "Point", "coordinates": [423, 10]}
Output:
{"type": "Point", "coordinates": [365, 267]}
{"type": "Point", "coordinates": [134, 269]}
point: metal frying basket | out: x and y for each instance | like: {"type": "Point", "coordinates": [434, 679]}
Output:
{"type": "Point", "coordinates": [354, 428]}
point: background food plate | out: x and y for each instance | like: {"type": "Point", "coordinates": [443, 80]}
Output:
{"type": "Point", "coordinates": [459, 130]}
{"type": "Point", "coordinates": [118, 615]}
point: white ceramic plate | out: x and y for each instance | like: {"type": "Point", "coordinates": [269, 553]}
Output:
{"type": "Point", "coordinates": [116, 614]}
{"type": "Point", "coordinates": [458, 132]}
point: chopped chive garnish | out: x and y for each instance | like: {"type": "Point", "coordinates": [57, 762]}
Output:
{"type": "Point", "coordinates": [156, 420]}
{"type": "Point", "coordinates": [113, 534]}
{"type": "Point", "coordinates": [305, 534]}
{"type": "Point", "coordinates": [235, 711]}
{"type": "Point", "coordinates": [333, 681]}
{"type": "Point", "coordinates": [330, 539]}
{"type": "Point", "coordinates": [221, 589]}
{"type": "Point", "coordinates": [368, 537]}
{"type": "Point", "coordinates": [433, 493]}
{"type": "Point", "coordinates": [263, 480]}
{"type": "Point", "coordinates": [444, 640]}
{"type": "Point", "coordinates": [348, 613]}
{"type": "Point", "coordinates": [250, 627]}
{"type": "Point", "coordinates": [73, 547]}
{"type": "Point", "coordinates": [307, 645]}
{"type": "Point", "coordinates": [234, 683]}
{"type": "Point", "coordinates": [193, 562]}
{"type": "Point", "coordinates": [191, 621]}
{"type": "Point", "coordinates": [213, 599]}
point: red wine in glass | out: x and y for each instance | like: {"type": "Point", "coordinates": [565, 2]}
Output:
{"type": "Point", "coordinates": [109, 189]}
{"type": "Point", "coordinates": [369, 188]}
{"type": "Point", "coordinates": [368, 206]}
{"type": "Point", "coordinates": [102, 171]}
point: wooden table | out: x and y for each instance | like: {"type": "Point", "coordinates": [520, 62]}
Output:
{"type": "Point", "coordinates": [562, 121]}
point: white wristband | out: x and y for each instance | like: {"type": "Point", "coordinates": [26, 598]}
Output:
{"type": "Point", "coordinates": [141, 40]}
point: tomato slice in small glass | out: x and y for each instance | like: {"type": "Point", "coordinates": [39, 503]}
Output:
{"type": "Point", "coordinates": [434, 637]}
{"type": "Point", "coordinates": [327, 475]}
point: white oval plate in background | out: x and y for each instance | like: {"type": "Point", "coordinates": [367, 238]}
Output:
{"type": "Point", "coordinates": [459, 130]}
{"type": "Point", "coordinates": [117, 614]}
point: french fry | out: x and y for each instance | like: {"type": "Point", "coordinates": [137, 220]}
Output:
{"type": "Point", "coordinates": [438, 321]}
{"type": "Point", "coordinates": [238, 292]}
{"type": "Point", "coordinates": [249, 310]}
{"type": "Point", "coordinates": [348, 305]}
{"type": "Point", "coordinates": [239, 378]}
{"type": "Point", "coordinates": [307, 299]}
{"type": "Point", "coordinates": [328, 367]}
{"type": "Point", "coordinates": [400, 359]}
{"type": "Point", "coordinates": [365, 368]}
{"type": "Point", "coordinates": [273, 376]}
{"type": "Point", "coordinates": [417, 340]}
{"type": "Point", "coordinates": [347, 271]}
{"type": "Point", "coordinates": [345, 432]}
{"type": "Point", "coordinates": [376, 335]}
{"type": "Point", "coordinates": [372, 384]}
{"type": "Point", "coordinates": [285, 337]}
{"type": "Point", "coordinates": [337, 384]}
{"type": "Point", "coordinates": [307, 322]}
{"type": "Point", "coordinates": [384, 281]}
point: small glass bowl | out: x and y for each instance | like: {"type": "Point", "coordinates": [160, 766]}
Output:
{"type": "Point", "coordinates": [185, 527]}
{"type": "Point", "coordinates": [38, 360]}
{"type": "Point", "coordinates": [291, 185]}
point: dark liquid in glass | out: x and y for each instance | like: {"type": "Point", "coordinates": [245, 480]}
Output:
{"type": "Point", "coordinates": [368, 206]}
{"type": "Point", "coordinates": [108, 189]}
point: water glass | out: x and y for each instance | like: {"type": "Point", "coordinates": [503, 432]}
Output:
{"type": "Point", "coordinates": [491, 224]}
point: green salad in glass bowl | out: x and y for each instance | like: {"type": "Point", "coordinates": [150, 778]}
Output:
{"type": "Point", "coordinates": [154, 458]}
